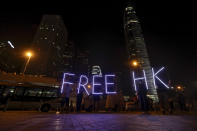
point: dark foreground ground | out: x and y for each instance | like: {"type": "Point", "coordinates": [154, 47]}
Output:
{"type": "Point", "coordinates": [35, 121]}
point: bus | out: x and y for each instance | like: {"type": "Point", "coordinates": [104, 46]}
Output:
{"type": "Point", "coordinates": [27, 92]}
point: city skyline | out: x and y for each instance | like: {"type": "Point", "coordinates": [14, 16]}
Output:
{"type": "Point", "coordinates": [165, 32]}
{"type": "Point", "coordinates": [98, 65]}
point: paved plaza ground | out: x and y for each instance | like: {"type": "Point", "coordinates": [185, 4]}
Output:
{"type": "Point", "coordinates": [36, 121]}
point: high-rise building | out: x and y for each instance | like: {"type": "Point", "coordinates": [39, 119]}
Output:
{"type": "Point", "coordinates": [7, 57]}
{"type": "Point", "coordinates": [53, 53]}
{"type": "Point", "coordinates": [81, 62]}
{"type": "Point", "coordinates": [136, 47]}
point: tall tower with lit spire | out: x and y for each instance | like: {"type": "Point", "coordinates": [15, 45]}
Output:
{"type": "Point", "coordinates": [136, 48]}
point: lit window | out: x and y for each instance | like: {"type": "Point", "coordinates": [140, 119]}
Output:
{"type": "Point", "coordinates": [129, 8]}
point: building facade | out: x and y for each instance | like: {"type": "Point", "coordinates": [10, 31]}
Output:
{"type": "Point", "coordinates": [7, 53]}
{"type": "Point", "coordinates": [136, 48]}
{"type": "Point", "coordinates": [81, 62]}
{"type": "Point", "coordinates": [53, 53]}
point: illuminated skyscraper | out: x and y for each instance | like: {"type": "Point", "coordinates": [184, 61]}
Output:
{"type": "Point", "coordinates": [53, 53]}
{"type": "Point", "coordinates": [136, 47]}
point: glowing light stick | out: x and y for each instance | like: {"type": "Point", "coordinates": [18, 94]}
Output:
{"type": "Point", "coordinates": [66, 82]}
{"type": "Point", "coordinates": [155, 76]}
{"type": "Point", "coordinates": [95, 84]}
{"type": "Point", "coordinates": [141, 78]}
{"type": "Point", "coordinates": [82, 85]}
{"type": "Point", "coordinates": [108, 83]}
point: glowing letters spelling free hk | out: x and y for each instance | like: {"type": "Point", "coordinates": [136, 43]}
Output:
{"type": "Point", "coordinates": [83, 82]}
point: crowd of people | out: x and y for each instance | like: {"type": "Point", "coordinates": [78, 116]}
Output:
{"type": "Point", "coordinates": [73, 101]}
{"type": "Point", "coordinates": [77, 102]}
{"type": "Point", "coordinates": [168, 103]}
{"type": "Point", "coordinates": [116, 102]}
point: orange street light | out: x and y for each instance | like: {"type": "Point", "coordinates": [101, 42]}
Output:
{"type": "Point", "coordinates": [134, 63]}
{"type": "Point", "coordinates": [29, 55]}
{"type": "Point", "coordinates": [179, 87]}
{"type": "Point", "coordinates": [89, 86]}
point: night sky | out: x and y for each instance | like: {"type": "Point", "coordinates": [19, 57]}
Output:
{"type": "Point", "coordinates": [169, 30]}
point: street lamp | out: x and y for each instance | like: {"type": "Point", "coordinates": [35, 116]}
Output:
{"type": "Point", "coordinates": [89, 86]}
{"type": "Point", "coordinates": [134, 67]}
{"type": "Point", "coordinates": [134, 63]}
{"type": "Point", "coordinates": [179, 87]}
{"type": "Point", "coordinates": [28, 55]}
